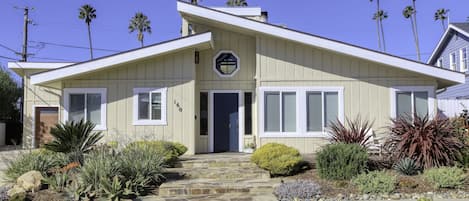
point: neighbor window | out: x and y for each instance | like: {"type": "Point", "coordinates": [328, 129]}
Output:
{"type": "Point", "coordinates": [299, 111]}
{"type": "Point", "coordinates": [439, 62]}
{"type": "Point", "coordinates": [86, 104]}
{"type": "Point", "coordinates": [463, 60]}
{"type": "Point", "coordinates": [149, 106]}
{"type": "Point", "coordinates": [412, 101]}
{"type": "Point", "coordinates": [452, 61]}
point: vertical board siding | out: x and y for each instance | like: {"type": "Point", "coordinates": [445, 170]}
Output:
{"type": "Point", "coordinates": [175, 71]}
{"type": "Point", "coordinates": [366, 84]}
{"type": "Point", "coordinates": [452, 107]}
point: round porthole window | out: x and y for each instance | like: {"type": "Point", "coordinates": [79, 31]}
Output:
{"type": "Point", "coordinates": [226, 63]}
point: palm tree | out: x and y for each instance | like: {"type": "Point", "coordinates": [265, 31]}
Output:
{"type": "Point", "coordinates": [237, 3]}
{"type": "Point", "coordinates": [380, 16]}
{"type": "Point", "coordinates": [195, 2]}
{"type": "Point", "coordinates": [408, 13]}
{"type": "Point", "coordinates": [377, 24]}
{"type": "Point", "coordinates": [88, 13]}
{"type": "Point", "coordinates": [141, 24]}
{"type": "Point", "coordinates": [441, 14]}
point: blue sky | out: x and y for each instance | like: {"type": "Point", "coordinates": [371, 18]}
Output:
{"type": "Point", "coordinates": [345, 20]}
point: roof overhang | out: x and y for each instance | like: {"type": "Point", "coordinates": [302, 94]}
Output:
{"type": "Point", "coordinates": [445, 37]}
{"type": "Point", "coordinates": [198, 41]}
{"type": "Point", "coordinates": [241, 11]}
{"type": "Point", "coordinates": [447, 76]}
{"type": "Point", "coordinates": [19, 67]}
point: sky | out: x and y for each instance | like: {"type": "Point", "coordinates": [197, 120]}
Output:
{"type": "Point", "coordinates": [56, 22]}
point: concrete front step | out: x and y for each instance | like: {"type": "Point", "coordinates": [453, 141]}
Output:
{"type": "Point", "coordinates": [222, 173]}
{"type": "Point", "coordinates": [196, 187]}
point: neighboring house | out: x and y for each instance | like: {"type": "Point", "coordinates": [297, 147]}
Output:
{"type": "Point", "coordinates": [231, 80]}
{"type": "Point", "coordinates": [452, 52]}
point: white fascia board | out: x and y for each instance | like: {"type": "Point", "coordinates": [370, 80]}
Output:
{"type": "Point", "coordinates": [121, 58]}
{"type": "Point", "coordinates": [241, 11]}
{"type": "Point", "coordinates": [37, 65]}
{"type": "Point", "coordinates": [443, 39]}
{"type": "Point", "coordinates": [327, 44]}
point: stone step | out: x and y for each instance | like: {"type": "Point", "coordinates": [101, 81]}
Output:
{"type": "Point", "coordinates": [215, 160]}
{"type": "Point", "coordinates": [222, 173]}
{"type": "Point", "coordinates": [218, 197]}
{"type": "Point", "coordinates": [195, 187]}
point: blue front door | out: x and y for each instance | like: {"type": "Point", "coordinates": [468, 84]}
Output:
{"type": "Point", "coordinates": [225, 123]}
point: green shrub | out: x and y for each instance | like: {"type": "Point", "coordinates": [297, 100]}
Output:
{"type": "Point", "coordinates": [375, 182]}
{"type": "Point", "coordinates": [407, 166]}
{"type": "Point", "coordinates": [445, 177]}
{"type": "Point", "coordinates": [39, 160]}
{"type": "Point", "coordinates": [169, 150]}
{"type": "Point", "coordinates": [74, 139]}
{"type": "Point", "coordinates": [341, 161]}
{"type": "Point", "coordinates": [278, 159]}
{"type": "Point", "coordinates": [98, 165]}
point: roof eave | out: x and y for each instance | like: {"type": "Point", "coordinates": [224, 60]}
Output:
{"type": "Point", "coordinates": [203, 40]}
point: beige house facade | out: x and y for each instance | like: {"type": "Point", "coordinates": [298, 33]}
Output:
{"type": "Point", "coordinates": [232, 80]}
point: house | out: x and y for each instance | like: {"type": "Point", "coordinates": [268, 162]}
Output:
{"type": "Point", "coordinates": [452, 53]}
{"type": "Point", "coordinates": [232, 79]}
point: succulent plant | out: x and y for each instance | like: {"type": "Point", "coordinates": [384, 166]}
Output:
{"type": "Point", "coordinates": [407, 166]}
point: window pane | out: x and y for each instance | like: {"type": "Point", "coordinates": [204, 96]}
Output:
{"type": "Point", "coordinates": [331, 107]}
{"type": "Point", "coordinates": [93, 108]}
{"type": "Point", "coordinates": [248, 113]}
{"type": "Point", "coordinates": [143, 106]}
{"type": "Point", "coordinates": [404, 103]}
{"type": "Point", "coordinates": [203, 113]}
{"type": "Point", "coordinates": [314, 111]}
{"type": "Point", "coordinates": [421, 103]}
{"type": "Point", "coordinates": [272, 112]}
{"type": "Point", "coordinates": [289, 112]}
{"type": "Point", "coordinates": [77, 107]}
{"type": "Point", "coordinates": [156, 106]}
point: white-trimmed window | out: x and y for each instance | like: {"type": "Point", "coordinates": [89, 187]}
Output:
{"type": "Point", "coordinates": [463, 59]}
{"type": "Point", "coordinates": [439, 62]}
{"type": "Point", "coordinates": [88, 104]}
{"type": "Point", "coordinates": [452, 61]}
{"type": "Point", "coordinates": [149, 106]}
{"type": "Point", "coordinates": [410, 100]}
{"type": "Point", "coordinates": [299, 111]}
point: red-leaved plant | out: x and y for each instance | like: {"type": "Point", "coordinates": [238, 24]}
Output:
{"type": "Point", "coordinates": [431, 142]}
{"type": "Point", "coordinates": [353, 132]}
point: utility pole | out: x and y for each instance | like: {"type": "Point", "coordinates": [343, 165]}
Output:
{"type": "Point", "coordinates": [24, 53]}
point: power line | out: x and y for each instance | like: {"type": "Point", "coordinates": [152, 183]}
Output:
{"type": "Point", "coordinates": [48, 58]}
{"type": "Point", "coordinates": [7, 57]}
{"type": "Point", "coordinates": [74, 46]}
{"type": "Point", "coordinates": [4, 46]}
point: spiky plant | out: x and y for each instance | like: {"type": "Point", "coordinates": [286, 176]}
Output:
{"type": "Point", "coordinates": [74, 138]}
{"type": "Point", "coordinates": [353, 132]}
{"type": "Point", "coordinates": [431, 142]}
{"type": "Point", "coordinates": [406, 166]}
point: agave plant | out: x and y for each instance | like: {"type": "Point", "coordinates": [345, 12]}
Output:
{"type": "Point", "coordinates": [74, 138]}
{"type": "Point", "coordinates": [430, 142]}
{"type": "Point", "coordinates": [353, 132]}
{"type": "Point", "coordinates": [407, 166]}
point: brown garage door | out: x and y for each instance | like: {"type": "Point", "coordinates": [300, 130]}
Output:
{"type": "Point", "coordinates": [45, 119]}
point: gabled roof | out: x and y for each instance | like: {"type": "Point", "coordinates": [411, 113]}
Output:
{"type": "Point", "coordinates": [462, 28]}
{"type": "Point", "coordinates": [320, 42]}
{"type": "Point", "coordinates": [203, 40]}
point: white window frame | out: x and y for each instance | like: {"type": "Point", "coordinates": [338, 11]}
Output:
{"type": "Point", "coordinates": [101, 91]}
{"type": "Point", "coordinates": [452, 61]}
{"type": "Point", "coordinates": [238, 66]}
{"type": "Point", "coordinates": [431, 98]}
{"type": "Point", "coordinates": [149, 122]}
{"type": "Point", "coordinates": [439, 62]}
{"type": "Point", "coordinates": [301, 112]}
{"type": "Point", "coordinates": [463, 63]}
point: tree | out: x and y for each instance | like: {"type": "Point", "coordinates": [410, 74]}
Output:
{"type": "Point", "coordinates": [237, 3]}
{"type": "Point", "coordinates": [380, 16]}
{"type": "Point", "coordinates": [442, 14]}
{"type": "Point", "coordinates": [408, 13]}
{"type": "Point", "coordinates": [195, 2]}
{"type": "Point", "coordinates": [88, 13]}
{"type": "Point", "coordinates": [378, 24]}
{"type": "Point", "coordinates": [141, 24]}
{"type": "Point", "coordinates": [10, 93]}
